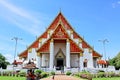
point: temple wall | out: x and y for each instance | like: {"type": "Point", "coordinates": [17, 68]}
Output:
{"type": "Point", "coordinates": [45, 60]}
{"type": "Point", "coordinates": [89, 57]}
{"type": "Point", "coordinates": [32, 54]}
{"type": "Point", "coordinates": [74, 61]}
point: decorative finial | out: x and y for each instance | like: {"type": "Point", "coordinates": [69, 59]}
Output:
{"type": "Point", "coordinates": [60, 10]}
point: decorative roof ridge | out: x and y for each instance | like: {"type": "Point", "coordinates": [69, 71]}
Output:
{"type": "Point", "coordinates": [22, 52]}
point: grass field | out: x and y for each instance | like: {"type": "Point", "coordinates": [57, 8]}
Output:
{"type": "Point", "coordinates": [11, 78]}
{"type": "Point", "coordinates": [114, 78]}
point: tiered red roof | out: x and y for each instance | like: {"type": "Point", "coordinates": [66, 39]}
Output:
{"type": "Point", "coordinates": [59, 25]}
{"type": "Point", "coordinates": [74, 48]}
{"type": "Point", "coordinates": [16, 62]}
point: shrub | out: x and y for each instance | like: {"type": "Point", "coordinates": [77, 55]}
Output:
{"type": "Point", "coordinates": [77, 74]}
{"type": "Point", "coordinates": [44, 74]}
{"type": "Point", "coordinates": [38, 71]}
{"type": "Point", "coordinates": [68, 73]}
{"type": "Point", "coordinates": [100, 74]}
{"type": "Point", "coordinates": [52, 73]}
{"type": "Point", "coordinates": [22, 74]}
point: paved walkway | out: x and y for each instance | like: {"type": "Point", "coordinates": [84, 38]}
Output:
{"type": "Point", "coordinates": [61, 77]}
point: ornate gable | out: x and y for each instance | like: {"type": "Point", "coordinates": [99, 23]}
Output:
{"type": "Point", "coordinates": [60, 33]}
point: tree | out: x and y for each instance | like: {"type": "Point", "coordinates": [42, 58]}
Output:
{"type": "Point", "coordinates": [115, 61]}
{"type": "Point", "coordinates": [3, 62]}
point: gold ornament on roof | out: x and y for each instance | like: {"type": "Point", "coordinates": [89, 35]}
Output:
{"type": "Point", "coordinates": [90, 50]}
{"type": "Point", "coordinates": [71, 31]}
{"type": "Point", "coordinates": [68, 40]}
{"type": "Point", "coordinates": [80, 40]}
{"type": "Point", "coordinates": [60, 33]}
{"type": "Point", "coordinates": [30, 50]}
{"type": "Point", "coordinates": [51, 40]}
{"type": "Point", "coordinates": [81, 54]}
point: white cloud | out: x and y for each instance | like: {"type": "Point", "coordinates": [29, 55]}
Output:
{"type": "Point", "coordinates": [9, 57]}
{"type": "Point", "coordinates": [116, 4]}
{"type": "Point", "coordinates": [21, 18]}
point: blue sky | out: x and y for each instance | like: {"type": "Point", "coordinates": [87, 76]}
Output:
{"type": "Point", "coordinates": [26, 19]}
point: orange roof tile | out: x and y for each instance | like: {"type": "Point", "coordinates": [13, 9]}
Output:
{"type": "Point", "coordinates": [95, 54]}
{"type": "Point", "coordinates": [102, 62]}
{"type": "Point", "coordinates": [74, 47]}
{"type": "Point", "coordinates": [23, 54]}
{"type": "Point", "coordinates": [44, 47]}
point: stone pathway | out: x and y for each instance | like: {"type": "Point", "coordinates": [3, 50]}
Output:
{"type": "Point", "coordinates": [61, 77]}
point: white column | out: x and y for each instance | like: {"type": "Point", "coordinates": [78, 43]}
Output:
{"type": "Point", "coordinates": [81, 61]}
{"type": "Point", "coordinates": [43, 60]}
{"type": "Point", "coordinates": [68, 54]}
{"type": "Point", "coordinates": [38, 60]}
{"type": "Point", "coordinates": [90, 62]}
{"type": "Point", "coordinates": [51, 54]}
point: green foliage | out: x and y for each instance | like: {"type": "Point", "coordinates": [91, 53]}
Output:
{"type": "Point", "coordinates": [115, 61]}
{"type": "Point", "coordinates": [22, 74]}
{"type": "Point", "coordinates": [68, 73]}
{"type": "Point", "coordinates": [52, 73]}
{"type": "Point", "coordinates": [44, 74]}
{"type": "Point", "coordinates": [3, 62]}
{"type": "Point", "coordinates": [11, 78]}
{"type": "Point", "coordinates": [38, 71]}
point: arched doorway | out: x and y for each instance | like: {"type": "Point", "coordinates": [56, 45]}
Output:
{"type": "Point", "coordinates": [59, 60]}
{"type": "Point", "coordinates": [85, 63]}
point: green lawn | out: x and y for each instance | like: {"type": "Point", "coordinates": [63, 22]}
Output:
{"type": "Point", "coordinates": [11, 78]}
{"type": "Point", "coordinates": [114, 78]}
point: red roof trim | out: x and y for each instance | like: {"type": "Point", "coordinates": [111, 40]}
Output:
{"type": "Point", "coordinates": [74, 48]}
{"type": "Point", "coordinates": [24, 54]}
{"type": "Point", "coordinates": [44, 47]}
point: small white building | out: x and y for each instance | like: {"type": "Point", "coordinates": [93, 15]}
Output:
{"type": "Point", "coordinates": [61, 46]}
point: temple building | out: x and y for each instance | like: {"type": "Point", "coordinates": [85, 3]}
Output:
{"type": "Point", "coordinates": [60, 46]}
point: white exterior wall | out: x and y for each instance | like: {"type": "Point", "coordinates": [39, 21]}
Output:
{"type": "Point", "coordinates": [89, 57]}
{"type": "Point", "coordinates": [45, 60]}
{"type": "Point", "coordinates": [33, 54]}
{"type": "Point", "coordinates": [74, 61]}
{"type": "Point", "coordinates": [81, 62]}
